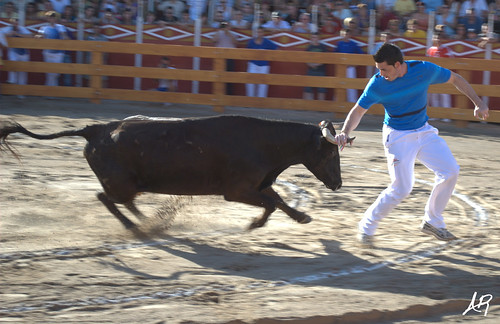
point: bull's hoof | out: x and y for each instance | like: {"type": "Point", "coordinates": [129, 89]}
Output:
{"type": "Point", "coordinates": [256, 224]}
{"type": "Point", "coordinates": [304, 219]}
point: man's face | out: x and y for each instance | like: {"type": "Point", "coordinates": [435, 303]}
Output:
{"type": "Point", "coordinates": [389, 72]}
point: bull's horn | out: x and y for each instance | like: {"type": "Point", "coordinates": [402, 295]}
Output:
{"type": "Point", "coordinates": [329, 136]}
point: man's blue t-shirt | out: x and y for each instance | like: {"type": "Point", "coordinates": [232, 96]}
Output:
{"type": "Point", "coordinates": [405, 98]}
{"type": "Point", "coordinates": [266, 44]}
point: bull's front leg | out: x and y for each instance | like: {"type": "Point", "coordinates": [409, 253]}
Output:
{"type": "Point", "coordinates": [112, 208]}
{"type": "Point", "coordinates": [298, 216]}
{"type": "Point", "coordinates": [257, 199]}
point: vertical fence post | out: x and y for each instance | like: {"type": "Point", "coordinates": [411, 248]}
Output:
{"type": "Point", "coordinates": [219, 88]}
{"type": "Point", "coordinates": [372, 31]}
{"type": "Point", "coordinates": [139, 26]}
{"type": "Point", "coordinates": [96, 80]}
{"type": "Point", "coordinates": [21, 12]}
{"type": "Point", "coordinates": [80, 25]}
{"type": "Point", "coordinates": [487, 54]}
{"type": "Point", "coordinates": [195, 85]}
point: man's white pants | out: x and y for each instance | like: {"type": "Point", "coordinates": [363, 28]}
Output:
{"type": "Point", "coordinates": [402, 148]}
{"type": "Point", "coordinates": [257, 90]}
{"type": "Point", "coordinates": [51, 79]}
{"type": "Point", "coordinates": [18, 77]}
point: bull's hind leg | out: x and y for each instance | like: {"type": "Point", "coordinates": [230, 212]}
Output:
{"type": "Point", "coordinates": [255, 199]}
{"type": "Point", "coordinates": [114, 210]}
{"type": "Point", "coordinates": [298, 216]}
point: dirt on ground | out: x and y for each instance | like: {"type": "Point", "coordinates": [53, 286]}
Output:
{"type": "Point", "coordinates": [64, 258]}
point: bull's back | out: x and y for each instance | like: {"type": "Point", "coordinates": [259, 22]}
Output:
{"type": "Point", "coordinates": [194, 156]}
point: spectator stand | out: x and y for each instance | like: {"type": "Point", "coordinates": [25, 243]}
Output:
{"type": "Point", "coordinates": [286, 40]}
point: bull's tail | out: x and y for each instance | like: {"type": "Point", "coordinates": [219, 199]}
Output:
{"type": "Point", "coordinates": [10, 127]}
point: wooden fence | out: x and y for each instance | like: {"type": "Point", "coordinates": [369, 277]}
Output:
{"type": "Point", "coordinates": [218, 76]}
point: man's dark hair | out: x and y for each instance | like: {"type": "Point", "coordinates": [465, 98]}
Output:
{"type": "Point", "coordinates": [389, 53]}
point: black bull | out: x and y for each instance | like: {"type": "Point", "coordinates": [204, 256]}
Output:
{"type": "Point", "coordinates": [233, 156]}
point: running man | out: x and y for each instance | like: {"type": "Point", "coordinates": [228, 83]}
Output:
{"type": "Point", "coordinates": [401, 87]}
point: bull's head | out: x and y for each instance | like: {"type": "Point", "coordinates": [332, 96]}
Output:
{"type": "Point", "coordinates": [325, 160]}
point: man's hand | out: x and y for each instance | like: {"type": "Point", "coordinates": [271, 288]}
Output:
{"type": "Point", "coordinates": [481, 112]}
{"type": "Point", "coordinates": [342, 140]}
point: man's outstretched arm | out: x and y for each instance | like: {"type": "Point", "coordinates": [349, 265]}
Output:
{"type": "Point", "coordinates": [480, 110]}
{"type": "Point", "coordinates": [351, 122]}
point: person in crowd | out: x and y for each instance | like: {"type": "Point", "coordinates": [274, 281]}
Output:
{"type": "Point", "coordinates": [315, 69]}
{"type": "Point", "coordinates": [276, 23]}
{"type": "Point", "coordinates": [224, 38]}
{"type": "Point", "coordinates": [68, 15]}
{"type": "Point", "coordinates": [89, 15]}
{"type": "Point", "coordinates": [166, 85]}
{"type": "Point", "coordinates": [218, 18]}
{"type": "Point", "coordinates": [31, 12]}
{"type": "Point", "coordinates": [52, 30]}
{"type": "Point", "coordinates": [404, 8]}
{"type": "Point", "coordinates": [177, 6]}
{"type": "Point", "coordinates": [9, 11]}
{"type": "Point", "coordinates": [17, 54]}
{"type": "Point", "coordinates": [394, 28]}
{"type": "Point", "coordinates": [331, 25]}
{"type": "Point", "coordinates": [127, 17]}
{"type": "Point", "coordinates": [259, 66]}
{"type": "Point", "coordinates": [185, 19]}
{"type": "Point", "coordinates": [447, 18]}
{"type": "Point", "coordinates": [248, 14]}
{"type": "Point", "coordinates": [438, 50]}
{"type": "Point", "coordinates": [460, 32]}
{"type": "Point", "coordinates": [352, 24]}
{"type": "Point", "coordinates": [362, 16]}
{"type": "Point", "coordinates": [387, 4]}
{"type": "Point", "coordinates": [150, 18]}
{"type": "Point", "coordinates": [480, 8]}
{"type": "Point", "coordinates": [471, 35]}
{"type": "Point", "coordinates": [347, 45]}
{"type": "Point", "coordinates": [265, 10]}
{"type": "Point", "coordinates": [109, 18]}
{"type": "Point", "coordinates": [407, 136]}
{"type": "Point", "coordinates": [413, 30]}
{"type": "Point", "coordinates": [304, 24]}
{"type": "Point", "coordinates": [471, 21]}
{"type": "Point", "coordinates": [384, 16]}
{"type": "Point", "coordinates": [432, 5]}
{"type": "Point", "coordinates": [45, 7]}
{"type": "Point", "coordinates": [291, 13]}
{"type": "Point", "coordinates": [341, 11]}
{"type": "Point", "coordinates": [238, 21]}
{"type": "Point", "coordinates": [486, 37]}
{"type": "Point", "coordinates": [60, 5]}
{"type": "Point", "coordinates": [226, 8]}
{"type": "Point", "coordinates": [384, 38]}
{"type": "Point", "coordinates": [421, 16]}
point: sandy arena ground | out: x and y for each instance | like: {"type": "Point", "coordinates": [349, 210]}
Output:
{"type": "Point", "coordinates": [64, 258]}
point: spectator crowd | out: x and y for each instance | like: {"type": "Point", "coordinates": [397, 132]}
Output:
{"type": "Point", "coordinates": [462, 20]}
{"type": "Point", "coordinates": [468, 20]}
